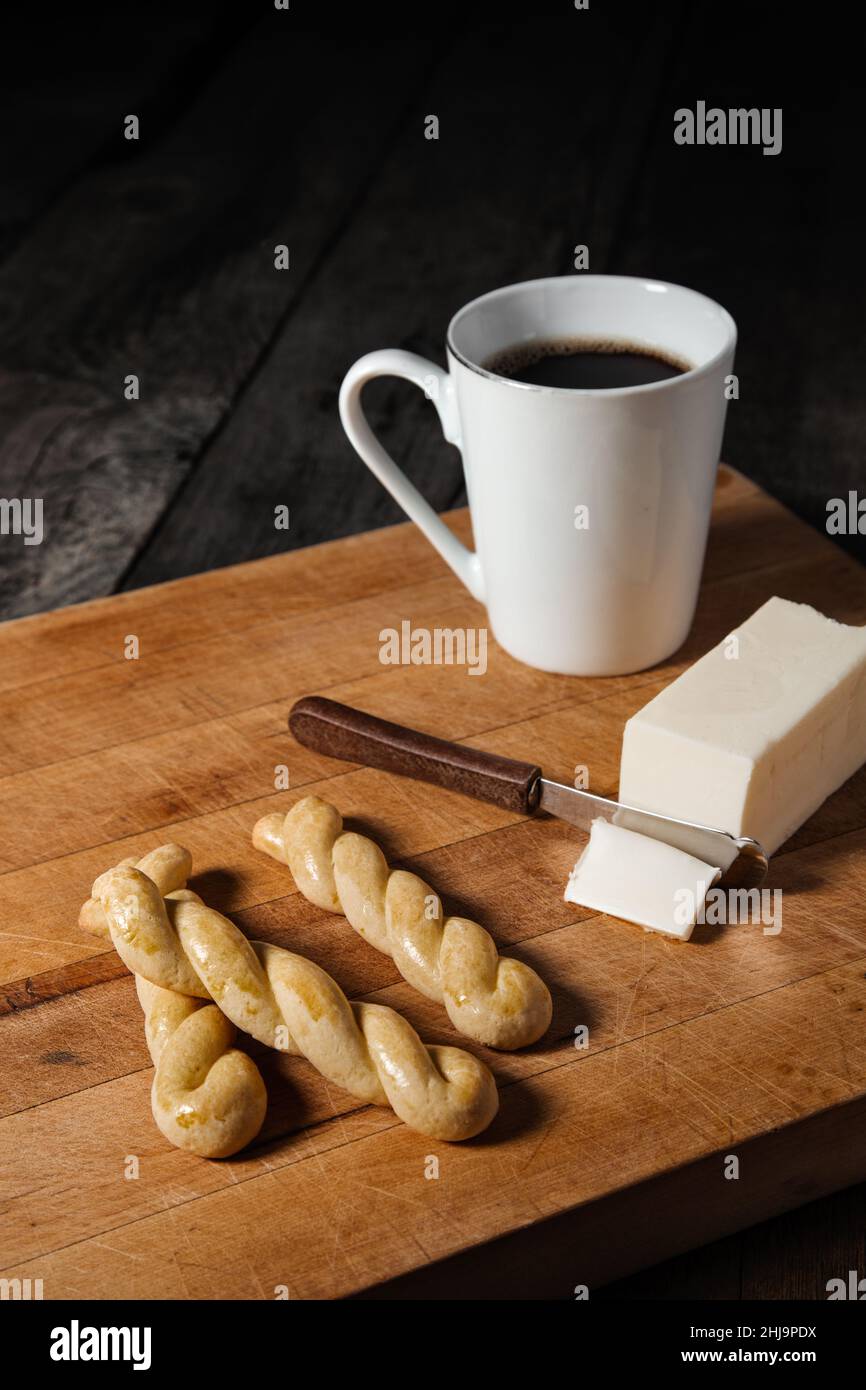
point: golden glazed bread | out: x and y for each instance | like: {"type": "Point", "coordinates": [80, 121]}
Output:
{"type": "Point", "coordinates": [207, 1096]}
{"type": "Point", "coordinates": [490, 998]}
{"type": "Point", "coordinates": [291, 1004]}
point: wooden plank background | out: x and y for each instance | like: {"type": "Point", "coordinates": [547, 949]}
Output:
{"type": "Point", "coordinates": [157, 258]}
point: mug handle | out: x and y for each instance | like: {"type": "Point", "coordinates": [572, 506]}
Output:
{"type": "Point", "coordinates": [438, 386]}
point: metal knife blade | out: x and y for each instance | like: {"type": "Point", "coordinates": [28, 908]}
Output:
{"type": "Point", "coordinates": [742, 860]}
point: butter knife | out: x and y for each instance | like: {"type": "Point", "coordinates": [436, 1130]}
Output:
{"type": "Point", "coordinates": [343, 732]}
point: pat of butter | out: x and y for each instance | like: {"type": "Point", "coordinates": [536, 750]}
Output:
{"type": "Point", "coordinates": [754, 736]}
{"type": "Point", "coordinates": [643, 880]}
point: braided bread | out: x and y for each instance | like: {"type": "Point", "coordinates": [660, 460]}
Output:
{"type": "Point", "coordinates": [207, 1097]}
{"type": "Point", "coordinates": [491, 998]}
{"type": "Point", "coordinates": [169, 866]}
{"type": "Point", "coordinates": [290, 1004]}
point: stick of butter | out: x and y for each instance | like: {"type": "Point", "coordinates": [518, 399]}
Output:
{"type": "Point", "coordinates": [643, 880]}
{"type": "Point", "coordinates": [754, 736]}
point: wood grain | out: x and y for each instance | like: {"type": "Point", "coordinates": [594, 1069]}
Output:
{"type": "Point", "coordinates": [160, 263]}
{"type": "Point", "coordinates": [741, 227]}
{"type": "Point", "coordinates": [739, 1043]}
{"type": "Point", "coordinates": [441, 222]}
{"type": "Point", "coordinates": [73, 123]}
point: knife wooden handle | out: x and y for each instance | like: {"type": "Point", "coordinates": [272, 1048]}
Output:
{"type": "Point", "coordinates": [343, 732]}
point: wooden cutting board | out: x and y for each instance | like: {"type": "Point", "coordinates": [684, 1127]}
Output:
{"type": "Point", "coordinates": [602, 1158]}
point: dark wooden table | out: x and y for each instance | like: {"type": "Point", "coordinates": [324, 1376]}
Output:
{"type": "Point", "coordinates": [154, 258]}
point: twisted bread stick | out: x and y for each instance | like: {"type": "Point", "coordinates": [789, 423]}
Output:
{"type": "Point", "coordinates": [491, 998]}
{"type": "Point", "coordinates": [290, 1004]}
{"type": "Point", "coordinates": [207, 1097]}
{"type": "Point", "coordinates": [169, 866]}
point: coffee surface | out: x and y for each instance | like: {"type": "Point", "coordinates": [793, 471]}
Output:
{"type": "Point", "coordinates": [584, 364]}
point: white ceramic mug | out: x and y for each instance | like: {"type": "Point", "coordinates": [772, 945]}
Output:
{"type": "Point", "coordinates": [590, 508]}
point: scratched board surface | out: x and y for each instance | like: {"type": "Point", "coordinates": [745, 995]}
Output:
{"type": "Point", "coordinates": [602, 1158]}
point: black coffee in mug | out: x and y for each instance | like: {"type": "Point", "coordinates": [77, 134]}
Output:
{"type": "Point", "coordinates": [584, 364]}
